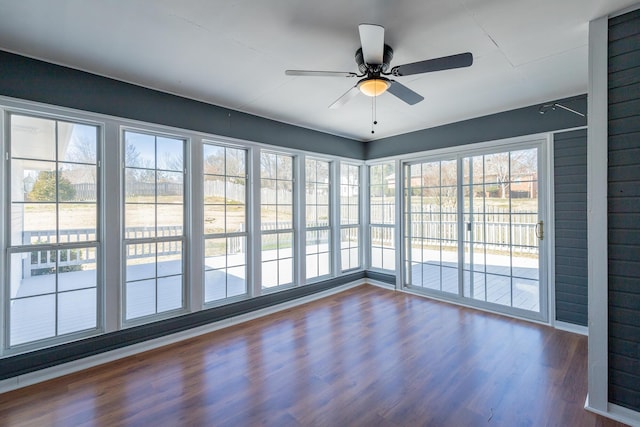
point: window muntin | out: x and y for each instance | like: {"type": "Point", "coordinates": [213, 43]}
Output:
{"type": "Point", "coordinates": [382, 215]}
{"type": "Point", "coordinates": [53, 229]}
{"type": "Point", "coordinates": [225, 222]}
{"type": "Point", "coordinates": [349, 216]}
{"type": "Point", "coordinates": [153, 224]}
{"type": "Point", "coordinates": [276, 219]}
{"type": "Point", "coordinates": [317, 218]}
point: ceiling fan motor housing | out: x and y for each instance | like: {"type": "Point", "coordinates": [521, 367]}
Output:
{"type": "Point", "coordinates": [364, 68]}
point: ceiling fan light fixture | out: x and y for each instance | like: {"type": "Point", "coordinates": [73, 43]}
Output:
{"type": "Point", "coordinates": [374, 86]}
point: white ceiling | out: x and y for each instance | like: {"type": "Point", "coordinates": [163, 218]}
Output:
{"type": "Point", "coordinates": [233, 53]}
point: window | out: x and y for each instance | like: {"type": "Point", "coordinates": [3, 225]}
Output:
{"type": "Point", "coordinates": [53, 229]}
{"type": "Point", "coordinates": [382, 215]}
{"type": "Point", "coordinates": [276, 215]}
{"type": "Point", "coordinates": [318, 245]}
{"type": "Point", "coordinates": [225, 222]}
{"type": "Point", "coordinates": [153, 224]}
{"type": "Point", "coordinates": [349, 216]}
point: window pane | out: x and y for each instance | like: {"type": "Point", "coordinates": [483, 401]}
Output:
{"type": "Point", "coordinates": [214, 219]}
{"type": "Point", "coordinates": [77, 183]}
{"type": "Point", "coordinates": [32, 319]}
{"type": "Point", "coordinates": [170, 153]}
{"type": "Point", "coordinates": [33, 181]}
{"type": "Point", "coordinates": [78, 222]}
{"type": "Point", "coordinates": [77, 310]}
{"type": "Point", "coordinates": [277, 259]}
{"type": "Point", "coordinates": [349, 248]}
{"type": "Point", "coordinates": [140, 220]}
{"type": "Point", "coordinates": [77, 143]}
{"type": "Point", "coordinates": [215, 253]}
{"type": "Point", "coordinates": [214, 189]}
{"type": "Point", "coordinates": [268, 165]}
{"type": "Point", "coordinates": [170, 220]}
{"type": "Point", "coordinates": [147, 295]}
{"type": "Point", "coordinates": [139, 150]}
{"type": "Point", "coordinates": [236, 162]}
{"type": "Point", "coordinates": [170, 188]}
{"type": "Point", "coordinates": [77, 268]}
{"type": "Point", "coordinates": [215, 286]}
{"type": "Point", "coordinates": [141, 298]}
{"type": "Point", "coordinates": [214, 159]}
{"type": "Point", "coordinates": [33, 223]}
{"type": "Point", "coordinates": [284, 167]}
{"type": "Point", "coordinates": [169, 258]}
{"type": "Point", "coordinates": [269, 274]}
{"type": "Point", "coordinates": [169, 293]}
{"type": "Point", "coordinates": [236, 281]}
{"type": "Point", "coordinates": [141, 261]}
{"type": "Point", "coordinates": [33, 138]}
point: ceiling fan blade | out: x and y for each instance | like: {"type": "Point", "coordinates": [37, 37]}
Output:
{"type": "Point", "coordinates": [320, 73]}
{"type": "Point", "coordinates": [437, 64]}
{"type": "Point", "coordinates": [372, 42]}
{"type": "Point", "coordinates": [404, 93]}
{"type": "Point", "coordinates": [346, 97]}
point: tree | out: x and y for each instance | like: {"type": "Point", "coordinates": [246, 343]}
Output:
{"type": "Point", "coordinates": [44, 188]}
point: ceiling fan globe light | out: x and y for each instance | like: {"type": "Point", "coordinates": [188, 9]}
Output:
{"type": "Point", "coordinates": [374, 86]}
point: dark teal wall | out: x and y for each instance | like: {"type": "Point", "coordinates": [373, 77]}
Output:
{"type": "Point", "coordinates": [34, 80]}
{"type": "Point", "coordinates": [523, 121]}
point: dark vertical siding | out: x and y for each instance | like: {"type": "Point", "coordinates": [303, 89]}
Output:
{"type": "Point", "coordinates": [570, 189]}
{"type": "Point", "coordinates": [624, 210]}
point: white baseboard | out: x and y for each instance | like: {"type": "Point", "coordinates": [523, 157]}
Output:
{"type": "Point", "coordinates": [570, 327]}
{"type": "Point", "coordinates": [109, 356]}
{"type": "Point", "coordinates": [617, 413]}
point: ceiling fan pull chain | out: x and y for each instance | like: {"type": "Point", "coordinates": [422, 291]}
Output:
{"type": "Point", "coordinates": [375, 110]}
{"type": "Point", "coordinates": [372, 114]}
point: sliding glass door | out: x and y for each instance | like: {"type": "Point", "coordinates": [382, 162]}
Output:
{"type": "Point", "coordinates": [473, 229]}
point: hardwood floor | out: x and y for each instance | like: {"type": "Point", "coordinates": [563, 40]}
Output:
{"type": "Point", "coordinates": [364, 357]}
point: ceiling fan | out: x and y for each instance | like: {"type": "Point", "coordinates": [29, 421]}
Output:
{"type": "Point", "coordinates": [373, 60]}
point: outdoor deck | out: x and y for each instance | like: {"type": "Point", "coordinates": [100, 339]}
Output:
{"type": "Point", "coordinates": [34, 310]}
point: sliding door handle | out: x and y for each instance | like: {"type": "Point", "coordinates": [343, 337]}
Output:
{"type": "Point", "coordinates": [540, 230]}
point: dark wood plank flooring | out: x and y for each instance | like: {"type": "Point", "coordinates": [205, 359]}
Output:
{"type": "Point", "coordinates": [365, 357]}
